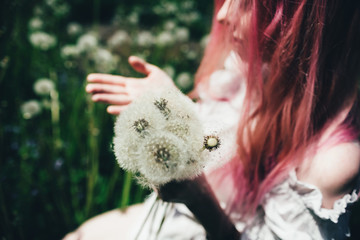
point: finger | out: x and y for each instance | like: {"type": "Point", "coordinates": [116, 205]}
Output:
{"type": "Point", "coordinates": [115, 109]}
{"type": "Point", "coordinates": [106, 78]}
{"type": "Point", "coordinates": [104, 88]}
{"type": "Point", "coordinates": [114, 99]}
{"type": "Point", "coordinates": [140, 65]}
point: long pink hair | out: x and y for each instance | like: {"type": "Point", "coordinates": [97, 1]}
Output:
{"type": "Point", "coordinates": [312, 50]}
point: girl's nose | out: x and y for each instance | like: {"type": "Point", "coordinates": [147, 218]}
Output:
{"type": "Point", "coordinates": [222, 15]}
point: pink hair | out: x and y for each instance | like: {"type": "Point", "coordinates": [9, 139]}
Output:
{"type": "Point", "coordinates": [312, 50]}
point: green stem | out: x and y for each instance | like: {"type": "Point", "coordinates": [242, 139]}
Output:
{"type": "Point", "coordinates": [125, 198]}
{"type": "Point", "coordinates": [55, 116]}
{"type": "Point", "coordinates": [93, 165]}
{"type": "Point", "coordinates": [112, 182]}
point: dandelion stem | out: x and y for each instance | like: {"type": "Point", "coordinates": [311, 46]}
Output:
{"type": "Point", "coordinates": [166, 212]}
{"type": "Point", "coordinates": [93, 161]}
{"type": "Point", "coordinates": [55, 115]}
{"type": "Point", "coordinates": [125, 198]}
{"type": "Point", "coordinates": [155, 204]}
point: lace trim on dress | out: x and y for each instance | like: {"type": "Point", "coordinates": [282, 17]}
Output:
{"type": "Point", "coordinates": [312, 197]}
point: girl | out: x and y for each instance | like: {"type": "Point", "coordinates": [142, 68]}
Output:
{"type": "Point", "coordinates": [281, 76]}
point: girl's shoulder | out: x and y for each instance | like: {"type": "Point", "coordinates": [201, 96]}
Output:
{"type": "Point", "coordinates": [334, 170]}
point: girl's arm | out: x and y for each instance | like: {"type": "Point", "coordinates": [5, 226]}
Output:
{"type": "Point", "coordinates": [197, 195]}
{"type": "Point", "coordinates": [335, 171]}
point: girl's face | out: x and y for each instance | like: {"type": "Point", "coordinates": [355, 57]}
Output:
{"type": "Point", "coordinates": [240, 25]}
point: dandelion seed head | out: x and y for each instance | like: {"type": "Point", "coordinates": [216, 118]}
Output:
{"type": "Point", "coordinates": [145, 39]}
{"type": "Point", "coordinates": [141, 126]}
{"type": "Point", "coordinates": [127, 152]}
{"type": "Point", "coordinates": [165, 39]}
{"type": "Point", "coordinates": [212, 142]}
{"type": "Point", "coordinates": [204, 41]}
{"type": "Point", "coordinates": [44, 86]}
{"type": "Point", "coordinates": [70, 51]}
{"type": "Point", "coordinates": [87, 42]}
{"type": "Point", "coordinates": [104, 60]}
{"type": "Point", "coordinates": [119, 38]}
{"type": "Point", "coordinates": [169, 25]}
{"type": "Point", "coordinates": [189, 17]}
{"type": "Point", "coordinates": [191, 55]}
{"type": "Point", "coordinates": [169, 70]}
{"type": "Point", "coordinates": [133, 18]}
{"type": "Point", "coordinates": [42, 40]}
{"type": "Point", "coordinates": [187, 4]}
{"type": "Point", "coordinates": [184, 80]}
{"type": "Point", "coordinates": [74, 29]}
{"type": "Point", "coordinates": [36, 23]}
{"type": "Point", "coordinates": [30, 109]}
{"type": "Point", "coordinates": [166, 159]}
{"type": "Point", "coordinates": [182, 34]}
{"type": "Point", "coordinates": [160, 147]}
{"type": "Point", "coordinates": [161, 104]}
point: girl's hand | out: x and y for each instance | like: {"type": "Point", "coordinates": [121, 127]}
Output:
{"type": "Point", "coordinates": [119, 91]}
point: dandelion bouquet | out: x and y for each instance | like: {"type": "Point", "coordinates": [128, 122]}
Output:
{"type": "Point", "coordinates": [160, 138]}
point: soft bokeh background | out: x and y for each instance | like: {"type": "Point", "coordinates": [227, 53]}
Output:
{"type": "Point", "coordinates": [57, 168]}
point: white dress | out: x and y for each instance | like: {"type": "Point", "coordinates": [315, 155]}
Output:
{"type": "Point", "coordinates": [290, 211]}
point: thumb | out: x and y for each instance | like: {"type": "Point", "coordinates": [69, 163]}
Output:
{"type": "Point", "coordinates": [140, 65]}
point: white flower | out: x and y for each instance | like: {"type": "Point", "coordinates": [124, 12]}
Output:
{"type": "Point", "coordinates": [30, 109]}
{"type": "Point", "coordinates": [166, 158]}
{"type": "Point", "coordinates": [118, 38]}
{"type": "Point", "coordinates": [169, 70]}
{"type": "Point", "coordinates": [187, 5]}
{"type": "Point", "coordinates": [191, 54]}
{"type": "Point", "coordinates": [36, 23]}
{"type": "Point", "coordinates": [42, 40]}
{"type": "Point", "coordinates": [165, 8]}
{"type": "Point", "coordinates": [44, 86]}
{"type": "Point", "coordinates": [160, 137]}
{"type": "Point", "coordinates": [69, 51]}
{"type": "Point", "coordinates": [103, 55]}
{"type": "Point", "coordinates": [184, 80]}
{"type": "Point", "coordinates": [182, 34]}
{"type": "Point", "coordinates": [145, 39]}
{"type": "Point", "coordinates": [127, 138]}
{"type": "Point", "coordinates": [188, 18]}
{"type": "Point", "coordinates": [133, 18]}
{"type": "Point", "coordinates": [170, 7]}
{"type": "Point", "coordinates": [204, 41]}
{"type": "Point", "coordinates": [87, 42]}
{"type": "Point", "coordinates": [73, 29]}
{"type": "Point", "coordinates": [104, 60]}
{"type": "Point", "coordinates": [169, 25]}
{"type": "Point", "coordinates": [165, 39]}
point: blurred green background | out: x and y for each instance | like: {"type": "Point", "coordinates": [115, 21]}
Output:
{"type": "Point", "coordinates": [57, 168]}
